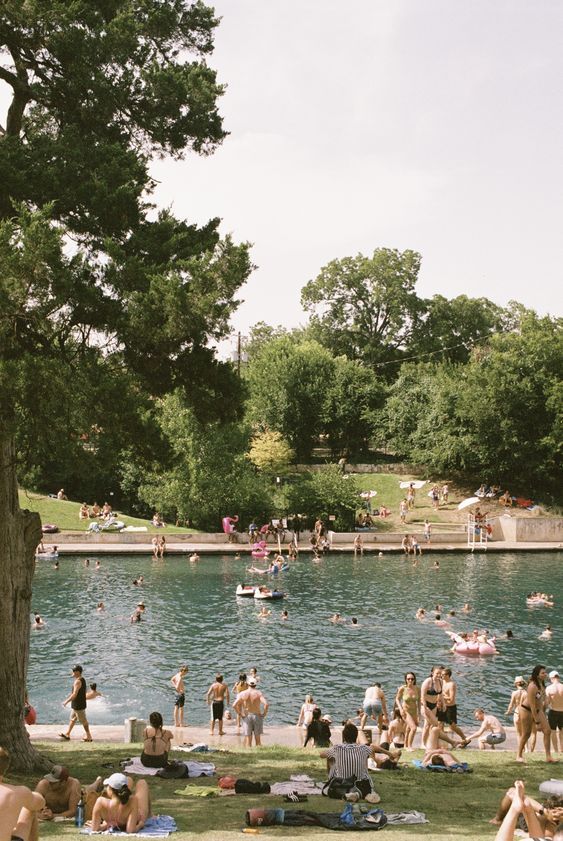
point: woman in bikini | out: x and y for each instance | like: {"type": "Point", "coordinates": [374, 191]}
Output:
{"type": "Point", "coordinates": [156, 743]}
{"type": "Point", "coordinates": [431, 701]}
{"type": "Point", "coordinates": [532, 711]}
{"type": "Point", "coordinates": [122, 809]}
{"type": "Point", "coordinates": [408, 701]}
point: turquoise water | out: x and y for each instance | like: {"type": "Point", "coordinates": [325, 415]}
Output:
{"type": "Point", "coordinates": [193, 616]}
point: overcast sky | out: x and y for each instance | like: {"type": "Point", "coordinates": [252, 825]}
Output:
{"type": "Point", "coordinates": [434, 125]}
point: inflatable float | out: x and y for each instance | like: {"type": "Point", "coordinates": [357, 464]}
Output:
{"type": "Point", "coordinates": [229, 524]}
{"type": "Point", "coordinates": [260, 550]}
{"type": "Point", "coordinates": [30, 715]}
{"type": "Point", "coordinates": [472, 648]}
{"type": "Point", "coordinates": [245, 591]}
{"type": "Point", "coordinates": [269, 595]}
{"type": "Point", "coordinates": [49, 528]}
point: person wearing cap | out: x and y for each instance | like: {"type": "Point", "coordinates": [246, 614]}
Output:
{"type": "Point", "coordinates": [252, 707]}
{"type": "Point", "coordinates": [19, 807]}
{"type": "Point", "coordinates": [554, 697]}
{"type": "Point", "coordinates": [125, 807]}
{"type": "Point", "coordinates": [61, 793]}
{"type": "Point", "coordinates": [77, 701]}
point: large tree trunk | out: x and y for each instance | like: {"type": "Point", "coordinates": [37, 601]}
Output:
{"type": "Point", "coordinates": [20, 532]}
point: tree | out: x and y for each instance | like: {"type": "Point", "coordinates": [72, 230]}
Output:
{"type": "Point", "coordinates": [365, 307]}
{"type": "Point", "coordinates": [208, 475]}
{"type": "Point", "coordinates": [96, 90]}
{"type": "Point", "coordinates": [326, 492]}
{"type": "Point", "coordinates": [287, 382]}
{"type": "Point", "coordinates": [270, 453]}
{"type": "Point", "coordinates": [353, 400]}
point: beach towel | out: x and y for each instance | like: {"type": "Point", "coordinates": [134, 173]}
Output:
{"type": "Point", "coordinates": [404, 818]}
{"type": "Point", "coordinates": [459, 767]}
{"type": "Point", "coordinates": [298, 783]}
{"type": "Point", "coordinates": [201, 747]}
{"type": "Point", "coordinates": [195, 769]}
{"type": "Point", "coordinates": [198, 791]}
{"type": "Point", "coordinates": [159, 826]}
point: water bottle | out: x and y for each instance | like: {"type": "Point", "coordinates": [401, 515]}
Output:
{"type": "Point", "coordinates": [80, 810]}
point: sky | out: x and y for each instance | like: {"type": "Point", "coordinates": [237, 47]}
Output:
{"type": "Point", "coordinates": [434, 125]}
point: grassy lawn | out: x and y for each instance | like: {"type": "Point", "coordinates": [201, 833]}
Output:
{"type": "Point", "coordinates": [458, 806]}
{"type": "Point", "coordinates": [64, 514]}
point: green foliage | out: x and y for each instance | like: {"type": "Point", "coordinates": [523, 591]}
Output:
{"type": "Point", "coordinates": [270, 453]}
{"type": "Point", "coordinates": [365, 307]}
{"type": "Point", "coordinates": [352, 402]}
{"type": "Point", "coordinates": [325, 492]}
{"type": "Point", "coordinates": [208, 475]}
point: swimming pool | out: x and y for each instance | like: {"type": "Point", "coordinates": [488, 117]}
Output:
{"type": "Point", "coordinates": [193, 616]}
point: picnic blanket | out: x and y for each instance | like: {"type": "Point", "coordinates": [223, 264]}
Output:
{"type": "Point", "coordinates": [159, 826]}
{"type": "Point", "coordinates": [195, 769]}
{"type": "Point", "coordinates": [459, 767]}
{"type": "Point", "coordinates": [298, 783]}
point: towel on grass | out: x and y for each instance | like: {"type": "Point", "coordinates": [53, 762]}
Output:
{"type": "Point", "coordinates": [459, 767]}
{"type": "Point", "coordinates": [404, 818]}
{"type": "Point", "coordinates": [198, 791]}
{"type": "Point", "coordinates": [299, 783]}
{"type": "Point", "coordinates": [159, 826]}
{"type": "Point", "coordinates": [195, 769]}
{"type": "Point", "coordinates": [201, 747]}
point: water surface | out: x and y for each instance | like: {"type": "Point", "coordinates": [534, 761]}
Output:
{"type": "Point", "coordinates": [193, 617]}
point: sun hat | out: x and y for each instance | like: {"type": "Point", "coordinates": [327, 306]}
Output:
{"type": "Point", "coordinates": [554, 673]}
{"type": "Point", "coordinates": [117, 781]}
{"type": "Point", "coordinates": [251, 681]}
{"type": "Point", "coordinates": [57, 774]}
{"type": "Point", "coordinates": [519, 679]}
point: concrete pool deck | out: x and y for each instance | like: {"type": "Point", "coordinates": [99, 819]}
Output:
{"type": "Point", "coordinates": [286, 736]}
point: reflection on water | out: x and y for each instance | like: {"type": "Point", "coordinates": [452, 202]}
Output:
{"type": "Point", "coordinates": [193, 616]}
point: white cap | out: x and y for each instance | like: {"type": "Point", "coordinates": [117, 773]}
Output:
{"type": "Point", "coordinates": [554, 673]}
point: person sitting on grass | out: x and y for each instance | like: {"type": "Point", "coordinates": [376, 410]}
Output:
{"type": "Point", "coordinates": [156, 743]}
{"type": "Point", "coordinates": [19, 807]}
{"type": "Point", "coordinates": [318, 730]}
{"type": "Point", "coordinates": [435, 755]}
{"type": "Point", "coordinates": [61, 793]}
{"type": "Point", "coordinates": [350, 759]}
{"type": "Point", "coordinates": [516, 808]}
{"type": "Point", "coordinates": [125, 807]}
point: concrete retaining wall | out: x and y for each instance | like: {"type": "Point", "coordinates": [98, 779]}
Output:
{"type": "Point", "coordinates": [532, 530]}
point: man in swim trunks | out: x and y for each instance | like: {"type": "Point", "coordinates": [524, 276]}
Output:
{"type": "Point", "coordinates": [177, 682]}
{"type": "Point", "coordinates": [252, 708]}
{"type": "Point", "coordinates": [217, 694]}
{"type": "Point", "coordinates": [496, 734]}
{"type": "Point", "coordinates": [374, 705]}
{"type": "Point", "coordinates": [554, 697]}
{"type": "Point", "coordinates": [19, 808]}
{"type": "Point", "coordinates": [449, 695]}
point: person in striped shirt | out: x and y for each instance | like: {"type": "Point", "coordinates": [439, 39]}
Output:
{"type": "Point", "coordinates": [350, 759]}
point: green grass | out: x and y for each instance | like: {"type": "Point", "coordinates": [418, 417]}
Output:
{"type": "Point", "coordinates": [457, 806]}
{"type": "Point", "coordinates": [64, 514]}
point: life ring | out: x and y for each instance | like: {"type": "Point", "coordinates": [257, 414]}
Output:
{"type": "Point", "coordinates": [49, 528]}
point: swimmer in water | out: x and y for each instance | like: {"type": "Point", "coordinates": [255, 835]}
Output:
{"type": "Point", "coordinates": [436, 565]}
{"type": "Point", "coordinates": [100, 606]}
{"type": "Point", "coordinates": [420, 614]}
{"type": "Point", "coordinates": [87, 562]}
{"type": "Point", "coordinates": [466, 608]}
{"type": "Point", "coordinates": [264, 612]}
{"type": "Point", "coordinates": [547, 634]}
{"type": "Point", "coordinates": [38, 624]}
{"type": "Point", "coordinates": [354, 622]}
{"type": "Point", "coordinates": [194, 558]}
{"type": "Point", "coordinates": [98, 565]}
{"type": "Point", "coordinates": [336, 619]}
{"type": "Point", "coordinates": [237, 558]}
{"type": "Point", "coordinates": [93, 692]}
{"type": "Point", "coordinates": [284, 616]}
{"type": "Point", "coordinates": [56, 565]}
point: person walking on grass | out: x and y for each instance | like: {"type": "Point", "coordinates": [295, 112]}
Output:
{"type": "Point", "coordinates": [77, 701]}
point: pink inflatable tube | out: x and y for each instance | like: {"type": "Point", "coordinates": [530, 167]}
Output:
{"type": "Point", "coordinates": [473, 649]}
{"type": "Point", "coordinates": [229, 524]}
{"type": "Point", "coordinates": [260, 550]}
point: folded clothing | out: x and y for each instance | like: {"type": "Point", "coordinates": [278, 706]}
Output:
{"type": "Point", "coordinates": [159, 826]}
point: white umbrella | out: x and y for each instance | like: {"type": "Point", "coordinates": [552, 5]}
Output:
{"type": "Point", "coordinates": [420, 483]}
{"type": "Point", "coordinates": [471, 500]}
{"type": "Point", "coordinates": [368, 494]}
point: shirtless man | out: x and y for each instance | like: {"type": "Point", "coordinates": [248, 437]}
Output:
{"type": "Point", "coordinates": [61, 793]}
{"type": "Point", "coordinates": [18, 808]}
{"type": "Point", "coordinates": [554, 697]}
{"type": "Point", "coordinates": [252, 708]}
{"type": "Point", "coordinates": [449, 694]}
{"type": "Point", "coordinates": [496, 734]}
{"type": "Point", "coordinates": [177, 682]}
{"type": "Point", "coordinates": [374, 705]}
{"type": "Point", "coordinates": [217, 694]}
